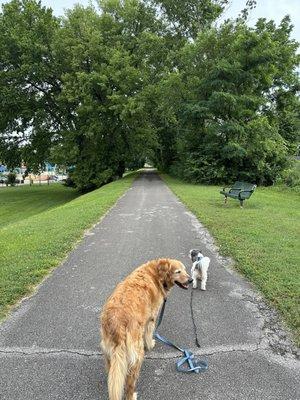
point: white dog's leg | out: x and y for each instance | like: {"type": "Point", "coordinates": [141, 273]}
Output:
{"type": "Point", "coordinates": [194, 274]}
{"type": "Point", "coordinates": [204, 278]}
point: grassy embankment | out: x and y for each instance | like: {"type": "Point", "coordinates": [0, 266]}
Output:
{"type": "Point", "coordinates": [263, 239]}
{"type": "Point", "coordinates": [39, 225]}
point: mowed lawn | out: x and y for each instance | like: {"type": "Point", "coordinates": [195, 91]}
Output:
{"type": "Point", "coordinates": [263, 238]}
{"type": "Point", "coordinates": [20, 202]}
{"type": "Point", "coordinates": [52, 221]}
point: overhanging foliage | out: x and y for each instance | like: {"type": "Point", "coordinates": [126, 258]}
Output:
{"type": "Point", "coordinates": [102, 90]}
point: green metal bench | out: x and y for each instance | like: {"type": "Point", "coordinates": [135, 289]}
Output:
{"type": "Point", "coordinates": [240, 191]}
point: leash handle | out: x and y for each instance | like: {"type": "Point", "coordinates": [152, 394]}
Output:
{"type": "Point", "coordinates": [188, 357]}
{"type": "Point", "coordinates": [196, 366]}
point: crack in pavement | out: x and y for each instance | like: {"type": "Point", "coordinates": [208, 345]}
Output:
{"type": "Point", "coordinates": [29, 351]}
{"type": "Point", "coordinates": [263, 349]}
{"type": "Point", "coordinates": [272, 329]}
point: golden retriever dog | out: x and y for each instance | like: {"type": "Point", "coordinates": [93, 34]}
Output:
{"type": "Point", "coordinates": [128, 321]}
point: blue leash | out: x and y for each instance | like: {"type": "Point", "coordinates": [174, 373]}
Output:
{"type": "Point", "coordinates": [189, 358]}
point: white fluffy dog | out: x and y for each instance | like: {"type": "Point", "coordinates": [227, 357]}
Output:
{"type": "Point", "coordinates": [199, 268]}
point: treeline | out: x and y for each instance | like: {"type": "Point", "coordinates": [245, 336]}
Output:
{"type": "Point", "coordinates": [102, 90]}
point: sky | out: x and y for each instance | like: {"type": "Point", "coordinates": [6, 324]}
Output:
{"type": "Point", "coordinates": [269, 9]}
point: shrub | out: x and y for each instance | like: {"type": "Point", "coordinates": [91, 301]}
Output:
{"type": "Point", "coordinates": [291, 177]}
{"type": "Point", "coordinates": [104, 177]}
{"type": "Point", "coordinates": [69, 182]}
{"type": "Point", "coordinates": [11, 179]}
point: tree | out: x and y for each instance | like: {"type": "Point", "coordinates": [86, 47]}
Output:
{"type": "Point", "coordinates": [79, 81]}
{"type": "Point", "coordinates": [230, 124]}
{"type": "Point", "coordinates": [102, 90]}
{"type": "Point", "coordinates": [102, 86]}
{"type": "Point", "coordinates": [29, 83]}
{"type": "Point", "coordinates": [189, 17]}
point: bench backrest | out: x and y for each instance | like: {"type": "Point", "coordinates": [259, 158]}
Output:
{"type": "Point", "coordinates": [247, 188]}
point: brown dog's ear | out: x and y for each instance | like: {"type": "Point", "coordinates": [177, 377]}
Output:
{"type": "Point", "coordinates": [163, 265]}
{"type": "Point", "coordinates": [165, 272]}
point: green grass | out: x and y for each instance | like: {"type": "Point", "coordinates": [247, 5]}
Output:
{"type": "Point", "coordinates": [20, 202]}
{"type": "Point", "coordinates": [39, 239]}
{"type": "Point", "coordinates": [262, 238]}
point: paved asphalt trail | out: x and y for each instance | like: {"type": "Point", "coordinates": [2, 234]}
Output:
{"type": "Point", "coordinates": [49, 347]}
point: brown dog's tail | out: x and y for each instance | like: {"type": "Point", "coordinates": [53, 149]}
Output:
{"type": "Point", "coordinates": [117, 373]}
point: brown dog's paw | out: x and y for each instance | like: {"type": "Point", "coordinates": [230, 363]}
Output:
{"type": "Point", "coordinates": [133, 397]}
{"type": "Point", "coordinates": [152, 344]}
{"type": "Point", "coordinates": [149, 345]}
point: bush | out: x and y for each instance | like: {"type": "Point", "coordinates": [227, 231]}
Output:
{"type": "Point", "coordinates": [11, 179]}
{"type": "Point", "coordinates": [104, 177]}
{"type": "Point", "coordinates": [69, 182]}
{"type": "Point", "coordinates": [86, 179]}
{"type": "Point", "coordinates": [291, 177]}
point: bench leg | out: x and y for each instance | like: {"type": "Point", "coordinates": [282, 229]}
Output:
{"type": "Point", "coordinates": [225, 200]}
{"type": "Point", "coordinates": [241, 203]}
